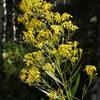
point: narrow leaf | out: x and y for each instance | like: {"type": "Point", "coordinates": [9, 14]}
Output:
{"type": "Point", "coordinates": [74, 89]}
{"type": "Point", "coordinates": [55, 78]}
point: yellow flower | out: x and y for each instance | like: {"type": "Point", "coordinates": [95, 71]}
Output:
{"type": "Point", "coordinates": [44, 30]}
{"type": "Point", "coordinates": [25, 5]}
{"type": "Point", "coordinates": [34, 24]}
{"type": "Point", "coordinates": [46, 6]}
{"type": "Point", "coordinates": [33, 76]}
{"type": "Point", "coordinates": [65, 16]}
{"type": "Point", "coordinates": [60, 93]}
{"type": "Point", "coordinates": [74, 59]}
{"type": "Point", "coordinates": [70, 51]}
{"type": "Point", "coordinates": [49, 16]}
{"type": "Point", "coordinates": [54, 51]}
{"type": "Point", "coordinates": [39, 45]}
{"type": "Point", "coordinates": [90, 70]}
{"type": "Point", "coordinates": [52, 95]}
{"type": "Point", "coordinates": [30, 58]}
{"type": "Point", "coordinates": [75, 43]}
{"type": "Point", "coordinates": [57, 17]}
{"type": "Point", "coordinates": [69, 26]}
{"type": "Point", "coordinates": [29, 80]}
{"type": "Point", "coordinates": [22, 74]}
{"type": "Point", "coordinates": [36, 55]}
{"type": "Point", "coordinates": [64, 50]}
{"type": "Point", "coordinates": [49, 67]}
{"type": "Point", "coordinates": [29, 37]}
{"type": "Point", "coordinates": [23, 19]}
{"type": "Point", "coordinates": [74, 52]}
{"type": "Point", "coordinates": [57, 28]}
{"type": "Point", "coordinates": [44, 35]}
{"type": "Point", "coordinates": [80, 51]}
{"type": "Point", "coordinates": [57, 31]}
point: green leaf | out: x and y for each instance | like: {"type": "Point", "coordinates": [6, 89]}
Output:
{"type": "Point", "coordinates": [84, 92]}
{"type": "Point", "coordinates": [74, 89]}
{"type": "Point", "coordinates": [75, 72]}
{"type": "Point", "coordinates": [70, 92]}
{"type": "Point", "coordinates": [54, 77]}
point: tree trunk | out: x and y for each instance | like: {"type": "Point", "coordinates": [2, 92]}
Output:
{"type": "Point", "coordinates": [3, 21]}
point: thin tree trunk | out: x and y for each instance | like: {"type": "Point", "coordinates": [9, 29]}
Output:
{"type": "Point", "coordinates": [5, 21]}
{"type": "Point", "coordinates": [13, 20]}
{"type": "Point", "coordinates": [1, 34]}
{"type": "Point", "coordinates": [3, 24]}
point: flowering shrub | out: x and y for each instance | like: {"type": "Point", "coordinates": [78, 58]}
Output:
{"type": "Point", "coordinates": [52, 65]}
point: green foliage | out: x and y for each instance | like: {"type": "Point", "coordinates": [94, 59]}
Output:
{"type": "Point", "coordinates": [74, 89]}
{"type": "Point", "coordinates": [13, 56]}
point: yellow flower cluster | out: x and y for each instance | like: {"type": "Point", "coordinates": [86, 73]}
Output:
{"type": "Point", "coordinates": [30, 58]}
{"type": "Point", "coordinates": [57, 17]}
{"type": "Point", "coordinates": [69, 26]}
{"type": "Point", "coordinates": [61, 95]}
{"type": "Point", "coordinates": [46, 6]}
{"type": "Point", "coordinates": [90, 70]}
{"type": "Point", "coordinates": [57, 29]}
{"type": "Point", "coordinates": [44, 35]}
{"type": "Point", "coordinates": [33, 76]}
{"type": "Point", "coordinates": [65, 16]}
{"type": "Point", "coordinates": [52, 95]}
{"type": "Point", "coordinates": [23, 74]}
{"type": "Point", "coordinates": [69, 51]}
{"type": "Point", "coordinates": [44, 30]}
{"type": "Point", "coordinates": [55, 95]}
{"type": "Point", "coordinates": [42, 24]}
{"type": "Point", "coordinates": [30, 76]}
{"type": "Point", "coordinates": [53, 52]}
{"type": "Point", "coordinates": [23, 19]}
{"type": "Point", "coordinates": [29, 37]}
{"type": "Point", "coordinates": [49, 67]}
{"type": "Point", "coordinates": [35, 25]}
{"type": "Point", "coordinates": [28, 5]}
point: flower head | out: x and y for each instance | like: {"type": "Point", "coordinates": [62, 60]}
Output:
{"type": "Point", "coordinates": [52, 95]}
{"type": "Point", "coordinates": [90, 70]}
{"type": "Point", "coordinates": [49, 67]}
{"type": "Point", "coordinates": [61, 95]}
{"type": "Point", "coordinates": [22, 74]}
{"type": "Point", "coordinates": [30, 58]}
{"type": "Point", "coordinates": [33, 76]}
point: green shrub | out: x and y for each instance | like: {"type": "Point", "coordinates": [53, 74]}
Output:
{"type": "Point", "coordinates": [13, 56]}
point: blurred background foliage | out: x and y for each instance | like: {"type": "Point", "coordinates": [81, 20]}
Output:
{"type": "Point", "coordinates": [85, 15]}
